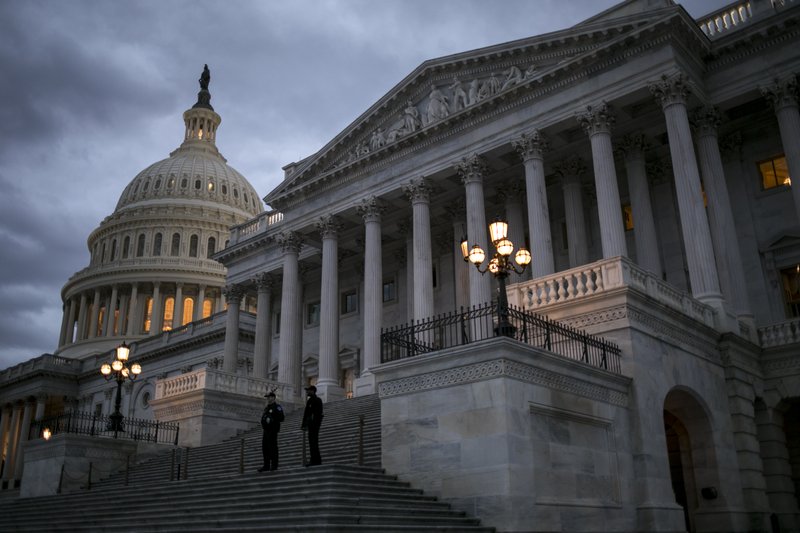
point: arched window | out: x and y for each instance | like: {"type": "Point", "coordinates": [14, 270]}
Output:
{"type": "Point", "coordinates": [158, 184]}
{"type": "Point", "coordinates": [224, 189]}
{"type": "Point", "coordinates": [126, 244]}
{"type": "Point", "coordinates": [169, 312]}
{"type": "Point", "coordinates": [193, 246]}
{"type": "Point", "coordinates": [145, 186]}
{"type": "Point", "coordinates": [188, 311]}
{"type": "Point", "coordinates": [171, 182]}
{"type": "Point", "coordinates": [207, 307]}
{"type": "Point", "coordinates": [157, 245]}
{"type": "Point", "coordinates": [148, 314]}
{"type": "Point", "coordinates": [210, 186]}
{"type": "Point", "coordinates": [236, 193]}
{"type": "Point", "coordinates": [140, 246]}
{"type": "Point", "coordinates": [175, 248]}
{"type": "Point", "coordinates": [103, 254]}
{"type": "Point", "coordinates": [198, 184]}
{"type": "Point", "coordinates": [94, 253]}
{"type": "Point", "coordinates": [113, 250]}
{"type": "Point", "coordinates": [184, 183]}
{"type": "Point", "coordinates": [212, 247]}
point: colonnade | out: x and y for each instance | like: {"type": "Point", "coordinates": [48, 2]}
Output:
{"type": "Point", "coordinates": [15, 421]}
{"type": "Point", "coordinates": [135, 309]}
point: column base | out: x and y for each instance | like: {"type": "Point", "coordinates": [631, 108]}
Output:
{"type": "Point", "coordinates": [329, 391]}
{"type": "Point", "coordinates": [365, 384]}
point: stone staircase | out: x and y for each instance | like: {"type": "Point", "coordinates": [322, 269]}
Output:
{"type": "Point", "coordinates": [212, 494]}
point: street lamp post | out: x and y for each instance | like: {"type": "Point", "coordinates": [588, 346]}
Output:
{"type": "Point", "coordinates": [500, 266]}
{"type": "Point", "coordinates": [120, 371]}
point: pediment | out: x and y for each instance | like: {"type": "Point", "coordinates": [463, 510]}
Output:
{"type": "Point", "coordinates": [447, 89]}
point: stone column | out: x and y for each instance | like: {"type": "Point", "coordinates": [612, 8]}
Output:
{"type": "Point", "coordinates": [201, 300]}
{"type": "Point", "coordinates": [13, 443]}
{"type": "Point", "coordinates": [133, 317]}
{"type": "Point", "coordinates": [62, 335]}
{"type": "Point", "coordinates": [418, 192]}
{"type": "Point", "coordinates": [531, 148]}
{"type": "Point", "coordinates": [597, 122]}
{"type": "Point", "coordinates": [95, 315]}
{"type": "Point", "coordinates": [81, 334]}
{"type": "Point", "coordinates": [177, 315]}
{"type": "Point", "coordinates": [41, 403]}
{"type": "Point", "coordinates": [720, 215]}
{"type": "Point", "coordinates": [156, 312]}
{"type": "Point", "coordinates": [672, 93]}
{"type": "Point", "coordinates": [457, 213]}
{"type": "Point", "coordinates": [405, 229]}
{"type": "Point", "coordinates": [777, 469]}
{"type": "Point", "coordinates": [783, 97]}
{"type": "Point", "coordinates": [370, 210]}
{"type": "Point", "coordinates": [291, 316]}
{"type": "Point", "coordinates": [577, 243]}
{"type": "Point", "coordinates": [24, 429]}
{"type": "Point", "coordinates": [471, 169]}
{"type": "Point", "coordinates": [69, 337]}
{"type": "Point", "coordinates": [230, 358]}
{"type": "Point", "coordinates": [261, 347]}
{"type": "Point", "coordinates": [648, 257]}
{"type": "Point", "coordinates": [111, 308]}
{"type": "Point", "coordinates": [123, 315]}
{"type": "Point", "coordinates": [512, 194]}
{"type": "Point", "coordinates": [328, 387]}
{"type": "Point", "coordinates": [5, 428]}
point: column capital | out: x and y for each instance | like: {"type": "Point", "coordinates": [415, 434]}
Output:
{"type": "Point", "coordinates": [512, 190]}
{"type": "Point", "coordinates": [730, 146]}
{"type": "Point", "coordinates": [233, 294]}
{"type": "Point", "coordinates": [658, 170]}
{"type": "Point", "coordinates": [371, 208]}
{"type": "Point", "coordinates": [671, 90]}
{"type": "Point", "coordinates": [290, 242]}
{"type": "Point", "coordinates": [572, 167]}
{"type": "Point", "coordinates": [706, 120]}
{"type": "Point", "coordinates": [633, 146]}
{"type": "Point", "coordinates": [782, 93]}
{"type": "Point", "coordinates": [457, 209]}
{"type": "Point", "coordinates": [599, 119]}
{"type": "Point", "coordinates": [328, 226]}
{"type": "Point", "coordinates": [265, 282]}
{"type": "Point", "coordinates": [405, 227]}
{"type": "Point", "coordinates": [418, 190]}
{"type": "Point", "coordinates": [531, 145]}
{"type": "Point", "coordinates": [471, 168]}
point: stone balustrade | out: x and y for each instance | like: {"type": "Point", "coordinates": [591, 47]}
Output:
{"type": "Point", "coordinates": [603, 277]}
{"type": "Point", "coordinates": [780, 334]}
{"type": "Point", "coordinates": [43, 362]}
{"type": "Point", "coordinates": [726, 19]}
{"type": "Point", "coordinates": [254, 226]}
{"type": "Point", "coordinates": [217, 380]}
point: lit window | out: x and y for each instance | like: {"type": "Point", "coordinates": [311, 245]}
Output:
{"type": "Point", "coordinates": [210, 186]}
{"type": "Point", "coordinates": [312, 314]}
{"type": "Point", "coordinates": [207, 307]}
{"type": "Point", "coordinates": [627, 217]}
{"type": "Point", "coordinates": [148, 314]}
{"type": "Point", "coordinates": [171, 183]}
{"type": "Point", "coordinates": [169, 312]}
{"type": "Point", "coordinates": [349, 302]}
{"type": "Point", "coordinates": [389, 291]}
{"type": "Point", "coordinates": [774, 173]}
{"type": "Point", "coordinates": [188, 311]}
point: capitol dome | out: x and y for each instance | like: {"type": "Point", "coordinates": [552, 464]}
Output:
{"type": "Point", "coordinates": [151, 267]}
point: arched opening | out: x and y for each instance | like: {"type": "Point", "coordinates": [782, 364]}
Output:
{"type": "Point", "coordinates": [148, 314]}
{"type": "Point", "coordinates": [691, 453]}
{"type": "Point", "coordinates": [193, 246]}
{"type": "Point", "coordinates": [140, 246]}
{"type": "Point", "coordinates": [169, 313]}
{"type": "Point", "coordinates": [212, 247]}
{"type": "Point", "coordinates": [188, 311]}
{"type": "Point", "coordinates": [157, 245]}
{"type": "Point", "coordinates": [208, 305]}
{"type": "Point", "coordinates": [175, 248]}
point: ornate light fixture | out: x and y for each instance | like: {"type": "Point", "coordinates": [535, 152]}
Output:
{"type": "Point", "coordinates": [500, 266]}
{"type": "Point", "coordinates": [120, 371]}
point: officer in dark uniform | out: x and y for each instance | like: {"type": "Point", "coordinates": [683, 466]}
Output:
{"type": "Point", "coordinates": [271, 420]}
{"type": "Point", "coordinates": [312, 420]}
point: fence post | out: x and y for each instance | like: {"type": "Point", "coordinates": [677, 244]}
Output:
{"type": "Point", "coordinates": [177, 431]}
{"type": "Point", "coordinates": [89, 485]}
{"type": "Point", "coordinates": [172, 466]}
{"type": "Point", "coordinates": [94, 419]}
{"type": "Point", "coordinates": [155, 436]}
{"type": "Point", "coordinates": [127, 468]}
{"type": "Point", "coordinates": [186, 464]}
{"type": "Point", "coordinates": [361, 440]}
{"type": "Point", "coordinates": [60, 479]}
{"type": "Point", "coordinates": [547, 334]}
{"type": "Point", "coordinates": [241, 458]}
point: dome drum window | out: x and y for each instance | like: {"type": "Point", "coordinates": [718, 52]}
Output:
{"type": "Point", "coordinates": [157, 184]}
{"type": "Point", "coordinates": [184, 183]}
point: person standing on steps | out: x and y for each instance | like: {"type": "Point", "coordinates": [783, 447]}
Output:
{"type": "Point", "coordinates": [312, 420]}
{"type": "Point", "coordinates": [271, 420]}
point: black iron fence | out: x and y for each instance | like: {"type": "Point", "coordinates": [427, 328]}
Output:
{"type": "Point", "coordinates": [479, 323]}
{"type": "Point", "coordinates": [81, 423]}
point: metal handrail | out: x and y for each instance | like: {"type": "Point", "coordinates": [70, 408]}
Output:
{"type": "Point", "coordinates": [81, 423]}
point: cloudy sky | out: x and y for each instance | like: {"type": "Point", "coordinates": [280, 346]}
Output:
{"type": "Point", "coordinates": [92, 92]}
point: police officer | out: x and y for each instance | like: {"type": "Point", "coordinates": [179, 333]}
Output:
{"type": "Point", "coordinates": [271, 420]}
{"type": "Point", "coordinates": [312, 420]}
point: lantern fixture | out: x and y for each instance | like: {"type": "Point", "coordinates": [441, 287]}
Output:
{"type": "Point", "coordinates": [119, 371]}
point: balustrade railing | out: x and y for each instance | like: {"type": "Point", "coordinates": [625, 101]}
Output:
{"type": "Point", "coordinates": [479, 323]}
{"type": "Point", "coordinates": [81, 423]}
{"type": "Point", "coordinates": [780, 334]}
{"type": "Point", "coordinates": [256, 225]}
{"type": "Point", "coordinates": [217, 380]}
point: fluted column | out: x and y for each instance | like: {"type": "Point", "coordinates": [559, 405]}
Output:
{"type": "Point", "coordinates": [41, 403]}
{"type": "Point", "coordinates": [672, 93]}
{"type": "Point", "coordinates": [19, 456]}
{"type": "Point", "coordinates": [328, 386]}
{"type": "Point", "coordinates": [95, 315]}
{"type": "Point", "coordinates": [156, 313]}
{"type": "Point", "coordinates": [69, 336]}
{"type": "Point", "coordinates": [201, 300]}
{"type": "Point", "coordinates": [572, 188]}
{"type": "Point", "coordinates": [721, 223]}
{"type": "Point", "coordinates": [471, 170]}
{"type": "Point", "coordinates": [644, 227]}
{"type": "Point", "coordinates": [531, 147]}
{"type": "Point", "coordinates": [457, 212]}
{"type": "Point", "coordinates": [5, 427]}
{"type": "Point", "coordinates": [370, 210]}
{"type": "Point", "coordinates": [777, 468]}
{"type": "Point", "coordinates": [783, 97]}
{"type": "Point", "coordinates": [289, 350]}
{"type": "Point", "coordinates": [230, 358]}
{"type": "Point", "coordinates": [405, 229]}
{"type": "Point", "coordinates": [123, 314]}
{"type": "Point", "coordinates": [511, 194]}
{"type": "Point", "coordinates": [261, 347]}
{"type": "Point", "coordinates": [62, 335]}
{"type": "Point", "coordinates": [597, 123]}
{"type": "Point", "coordinates": [133, 317]}
{"type": "Point", "coordinates": [418, 192]}
{"type": "Point", "coordinates": [81, 334]}
{"type": "Point", "coordinates": [111, 308]}
{"type": "Point", "coordinates": [177, 314]}
{"type": "Point", "coordinates": [13, 443]}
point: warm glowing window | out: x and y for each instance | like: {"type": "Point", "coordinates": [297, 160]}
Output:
{"type": "Point", "coordinates": [188, 311]}
{"type": "Point", "coordinates": [148, 314]}
{"type": "Point", "coordinates": [100, 317]}
{"type": "Point", "coordinates": [171, 183]}
{"type": "Point", "coordinates": [169, 312]}
{"type": "Point", "coordinates": [627, 217]}
{"type": "Point", "coordinates": [207, 308]}
{"type": "Point", "coordinates": [210, 186]}
{"type": "Point", "coordinates": [774, 173]}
